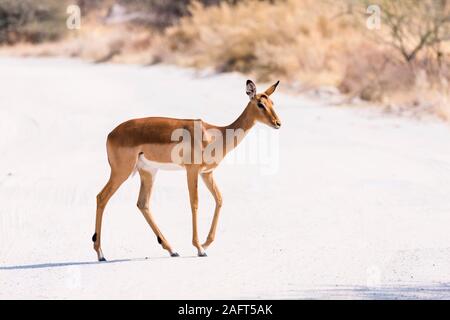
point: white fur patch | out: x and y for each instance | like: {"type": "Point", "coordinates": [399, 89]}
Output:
{"type": "Point", "coordinates": [152, 166]}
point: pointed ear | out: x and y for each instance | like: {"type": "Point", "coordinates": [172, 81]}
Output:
{"type": "Point", "coordinates": [251, 89]}
{"type": "Point", "coordinates": [272, 89]}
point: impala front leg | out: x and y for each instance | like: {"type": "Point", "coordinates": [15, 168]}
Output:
{"type": "Point", "coordinates": [192, 177]}
{"type": "Point", "coordinates": [212, 187]}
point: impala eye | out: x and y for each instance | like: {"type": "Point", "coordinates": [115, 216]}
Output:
{"type": "Point", "coordinates": [260, 105]}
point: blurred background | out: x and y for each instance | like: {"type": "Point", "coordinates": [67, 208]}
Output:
{"type": "Point", "coordinates": [395, 54]}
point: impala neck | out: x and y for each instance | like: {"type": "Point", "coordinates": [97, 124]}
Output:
{"type": "Point", "coordinates": [239, 128]}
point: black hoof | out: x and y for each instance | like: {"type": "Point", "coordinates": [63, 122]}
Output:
{"type": "Point", "coordinates": [202, 254]}
{"type": "Point", "coordinates": [175, 254]}
{"type": "Point", "coordinates": [102, 259]}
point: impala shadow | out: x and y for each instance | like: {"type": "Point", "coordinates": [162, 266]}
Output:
{"type": "Point", "coordinates": [81, 263]}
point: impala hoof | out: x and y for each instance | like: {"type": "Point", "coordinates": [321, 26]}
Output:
{"type": "Point", "coordinates": [102, 259]}
{"type": "Point", "coordinates": [202, 254]}
{"type": "Point", "coordinates": [175, 254]}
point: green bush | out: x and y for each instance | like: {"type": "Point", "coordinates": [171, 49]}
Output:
{"type": "Point", "coordinates": [31, 21]}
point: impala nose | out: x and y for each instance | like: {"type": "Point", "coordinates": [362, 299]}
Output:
{"type": "Point", "coordinates": [277, 124]}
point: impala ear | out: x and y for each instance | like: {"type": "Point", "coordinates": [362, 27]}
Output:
{"type": "Point", "coordinates": [251, 89]}
{"type": "Point", "coordinates": [272, 89]}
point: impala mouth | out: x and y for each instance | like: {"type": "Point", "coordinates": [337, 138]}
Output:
{"type": "Point", "coordinates": [277, 124]}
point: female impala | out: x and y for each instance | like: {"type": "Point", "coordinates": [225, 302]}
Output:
{"type": "Point", "coordinates": [148, 144]}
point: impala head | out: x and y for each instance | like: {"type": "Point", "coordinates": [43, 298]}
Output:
{"type": "Point", "coordinates": [262, 105]}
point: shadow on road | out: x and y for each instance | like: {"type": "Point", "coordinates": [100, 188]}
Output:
{"type": "Point", "coordinates": [81, 263]}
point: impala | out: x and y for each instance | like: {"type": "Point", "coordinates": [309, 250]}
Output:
{"type": "Point", "coordinates": [149, 144]}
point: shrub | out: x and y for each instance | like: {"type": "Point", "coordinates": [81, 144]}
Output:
{"type": "Point", "coordinates": [411, 27]}
{"type": "Point", "coordinates": [31, 21]}
{"type": "Point", "coordinates": [315, 43]}
{"type": "Point", "coordinates": [290, 39]}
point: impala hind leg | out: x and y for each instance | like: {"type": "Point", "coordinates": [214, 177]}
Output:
{"type": "Point", "coordinates": [212, 187]}
{"type": "Point", "coordinates": [147, 180]}
{"type": "Point", "coordinates": [192, 177]}
{"type": "Point", "coordinates": [115, 181]}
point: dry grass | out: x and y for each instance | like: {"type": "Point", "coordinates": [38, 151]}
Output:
{"type": "Point", "coordinates": [31, 21]}
{"type": "Point", "coordinates": [308, 42]}
{"type": "Point", "coordinates": [293, 40]}
{"type": "Point", "coordinates": [95, 41]}
{"type": "Point", "coordinates": [112, 44]}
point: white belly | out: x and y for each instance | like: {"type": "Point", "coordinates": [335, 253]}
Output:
{"type": "Point", "coordinates": [152, 166]}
